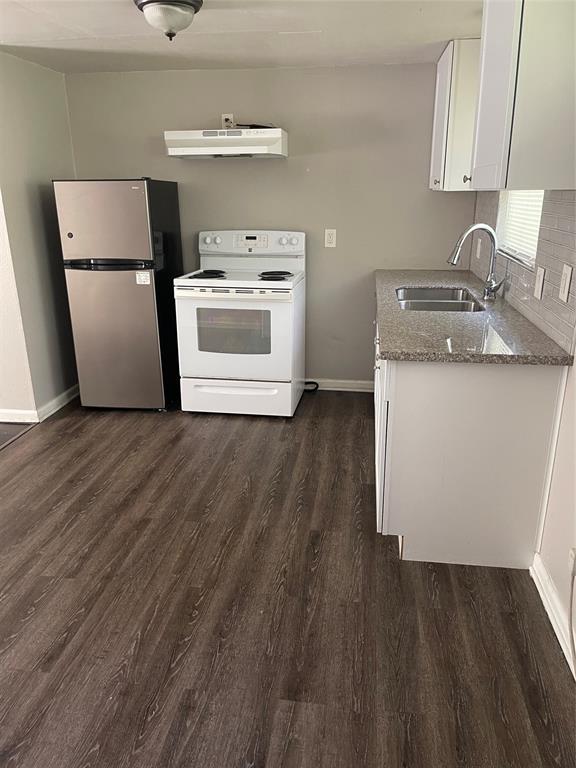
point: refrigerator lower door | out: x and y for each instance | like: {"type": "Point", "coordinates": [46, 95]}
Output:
{"type": "Point", "coordinates": [115, 328]}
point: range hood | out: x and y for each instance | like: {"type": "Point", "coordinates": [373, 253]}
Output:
{"type": "Point", "coordinates": [232, 142]}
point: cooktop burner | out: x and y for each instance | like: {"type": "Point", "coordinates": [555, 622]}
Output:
{"type": "Point", "coordinates": [209, 274]}
{"type": "Point", "coordinates": [275, 274]}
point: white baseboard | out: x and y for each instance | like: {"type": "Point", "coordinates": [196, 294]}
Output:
{"type": "Point", "coordinates": [56, 403]}
{"type": "Point", "coordinates": [22, 417]}
{"type": "Point", "coordinates": [554, 608]}
{"type": "Point", "coordinates": [345, 385]}
{"type": "Point", "coordinates": [33, 417]}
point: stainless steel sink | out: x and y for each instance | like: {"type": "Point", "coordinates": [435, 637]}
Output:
{"type": "Point", "coordinates": [431, 299]}
{"type": "Point", "coordinates": [422, 293]}
{"type": "Point", "coordinates": [442, 306]}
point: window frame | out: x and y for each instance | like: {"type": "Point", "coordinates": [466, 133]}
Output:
{"type": "Point", "coordinates": [507, 251]}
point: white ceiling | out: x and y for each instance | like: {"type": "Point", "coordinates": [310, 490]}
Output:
{"type": "Point", "coordinates": [112, 35]}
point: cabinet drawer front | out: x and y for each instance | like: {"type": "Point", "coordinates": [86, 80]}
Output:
{"type": "Point", "coordinates": [243, 397]}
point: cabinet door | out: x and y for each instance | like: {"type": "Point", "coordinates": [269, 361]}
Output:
{"type": "Point", "coordinates": [498, 66]}
{"type": "Point", "coordinates": [440, 128]}
{"type": "Point", "coordinates": [378, 473]}
{"type": "Point", "coordinates": [462, 114]}
{"type": "Point", "coordinates": [380, 433]}
{"type": "Point", "coordinates": [543, 145]}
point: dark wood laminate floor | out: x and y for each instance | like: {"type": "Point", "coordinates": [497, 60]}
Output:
{"type": "Point", "coordinates": [187, 591]}
{"type": "Point", "coordinates": [10, 431]}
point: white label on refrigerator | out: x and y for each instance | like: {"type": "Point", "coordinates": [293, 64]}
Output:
{"type": "Point", "coordinates": [142, 278]}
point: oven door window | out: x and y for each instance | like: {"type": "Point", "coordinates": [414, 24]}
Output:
{"type": "Point", "coordinates": [234, 331]}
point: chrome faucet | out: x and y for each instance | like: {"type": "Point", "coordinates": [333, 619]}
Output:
{"type": "Point", "coordinates": [491, 286]}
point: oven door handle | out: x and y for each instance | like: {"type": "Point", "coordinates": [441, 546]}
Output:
{"type": "Point", "coordinates": [192, 293]}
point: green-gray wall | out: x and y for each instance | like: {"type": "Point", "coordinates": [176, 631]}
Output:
{"type": "Point", "coordinates": [35, 147]}
{"type": "Point", "coordinates": [359, 156]}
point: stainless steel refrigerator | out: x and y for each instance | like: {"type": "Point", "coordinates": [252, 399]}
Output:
{"type": "Point", "coordinates": [121, 247]}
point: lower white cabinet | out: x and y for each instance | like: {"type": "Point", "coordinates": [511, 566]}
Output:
{"type": "Point", "coordinates": [462, 454]}
{"type": "Point", "coordinates": [381, 422]}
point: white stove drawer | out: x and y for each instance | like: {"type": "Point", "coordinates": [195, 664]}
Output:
{"type": "Point", "coordinates": [264, 398]}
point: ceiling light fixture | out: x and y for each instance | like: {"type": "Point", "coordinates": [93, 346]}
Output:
{"type": "Point", "coordinates": [170, 16]}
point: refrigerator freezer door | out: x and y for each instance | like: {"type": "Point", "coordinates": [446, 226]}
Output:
{"type": "Point", "coordinates": [116, 340]}
{"type": "Point", "coordinates": [104, 220]}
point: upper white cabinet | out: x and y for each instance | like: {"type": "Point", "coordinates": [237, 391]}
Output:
{"type": "Point", "coordinates": [526, 119]}
{"type": "Point", "coordinates": [498, 62]}
{"type": "Point", "coordinates": [440, 127]}
{"type": "Point", "coordinates": [457, 75]}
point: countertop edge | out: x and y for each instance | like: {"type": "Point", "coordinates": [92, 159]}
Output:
{"type": "Point", "coordinates": [436, 357]}
{"type": "Point", "coordinates": [556, 356]}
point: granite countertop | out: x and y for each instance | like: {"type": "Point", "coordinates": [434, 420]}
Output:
{"type": "Point", "coordinates": [499, 334]}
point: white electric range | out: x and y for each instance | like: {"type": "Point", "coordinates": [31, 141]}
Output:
{"type": "Point", "coordinates": [241, 319]}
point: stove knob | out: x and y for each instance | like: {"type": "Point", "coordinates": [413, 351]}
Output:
{"type": "Point", "coordinates": [208, 240]}
{"type": "Point", "coordinates": [283, 241]}
{"type": "Point", "coordinates": [293, 241]}
{"type": "Point", "coordinates": [217, 240]}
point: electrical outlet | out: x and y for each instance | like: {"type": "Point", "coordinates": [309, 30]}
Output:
{"type": "Point", "coordinates": [565, 283]}
{"type": "Point", "coordinates": [539, 282]}
{"type": "Point", "coordinates": [478, 247]}
{"type": "Point", "coordinates": [329, 238]}
{"type": "Point", "coordinates": [227, 120]}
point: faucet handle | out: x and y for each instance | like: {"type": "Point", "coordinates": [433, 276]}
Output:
{"type": "Point", "coordinates": [492, 287]}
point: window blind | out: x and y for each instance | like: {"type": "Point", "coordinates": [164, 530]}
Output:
{"type": "Point", "coordinates": [518, 225]}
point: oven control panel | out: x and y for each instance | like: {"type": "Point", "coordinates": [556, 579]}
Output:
{"type": "Point", "coordinates": [244, 240]}
{"type": "Point", "coordinates": [257, 242]}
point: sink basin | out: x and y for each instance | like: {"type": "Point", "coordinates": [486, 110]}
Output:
{"type": "Point", "coordinates": [431, 299]}
{"type": "Point", "coordinates": [442, 306]}
{"type": "Point", "coordinates": [434, 294]}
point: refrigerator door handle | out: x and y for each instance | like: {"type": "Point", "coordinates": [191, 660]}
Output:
{"type": "Point", "coordinates": [107, 265]}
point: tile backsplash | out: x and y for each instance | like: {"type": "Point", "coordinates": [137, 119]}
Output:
{"type": "Point", "coordinates": [556, 247]}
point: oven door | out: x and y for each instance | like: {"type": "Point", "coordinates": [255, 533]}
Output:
{"type": "Point", "coordinates": [229, 334]}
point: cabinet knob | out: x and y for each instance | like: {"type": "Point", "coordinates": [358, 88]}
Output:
{"type": "Point", "coordinates": [466, 178]}
{"type": "Point", "coordinates": [436, 181]}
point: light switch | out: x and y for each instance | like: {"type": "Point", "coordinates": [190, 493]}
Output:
{"type": "Point", "coordinates": [565, 283]}
{"type": "Point", "coordinates": [539, 282]}
{"type": "Point", "coordinates": [329, 238]}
